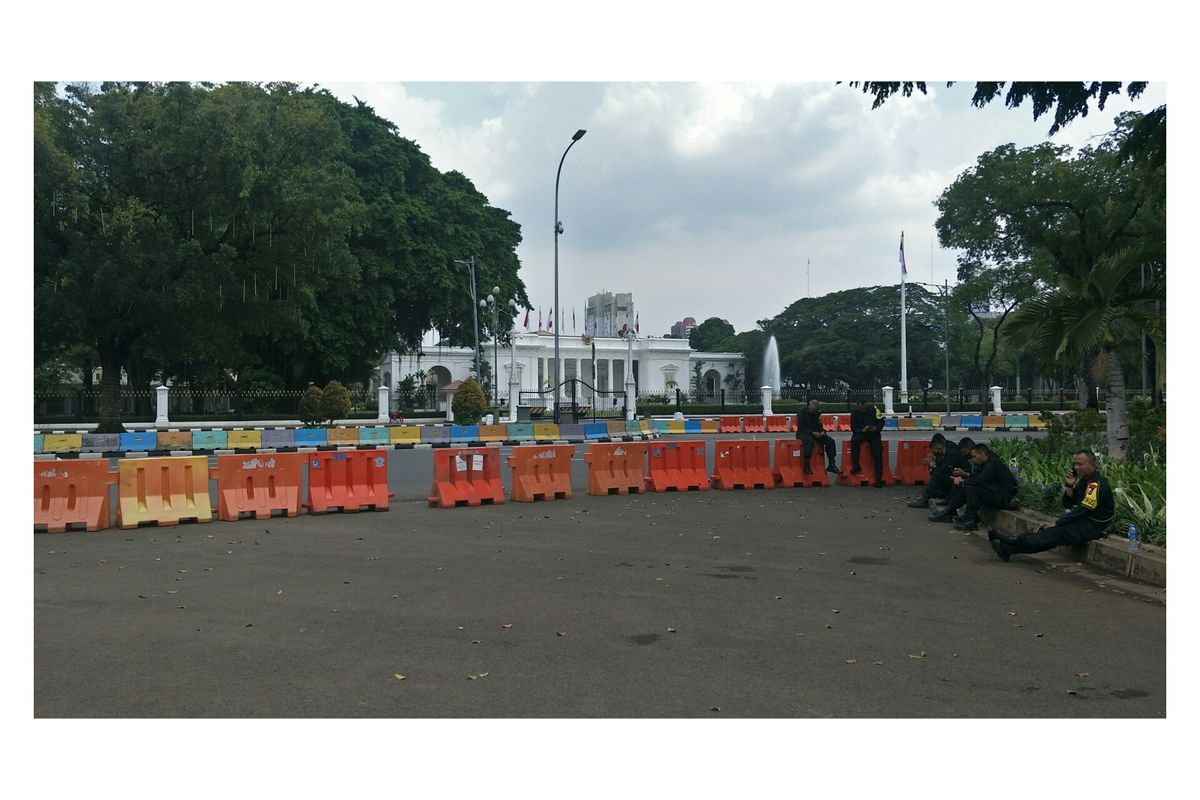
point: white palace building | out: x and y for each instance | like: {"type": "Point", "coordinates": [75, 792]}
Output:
{"type": "Point", "coordinates": [636, 365]}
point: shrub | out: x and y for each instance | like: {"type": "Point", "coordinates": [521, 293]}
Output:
{"type": "Point", "coordinates": [469, 403]}
{"type": "Point", "coordinates": [1147, 428]}
{"type": "Point", "coordinates": [310, 406]}
{"type": "Point", "coordinates": [260, 390]}
{"type": "Point", "coordinates": [335, 402]}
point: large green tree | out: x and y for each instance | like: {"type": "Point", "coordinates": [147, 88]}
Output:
{"type": "Point", "coordinates": [709, 334]}
{"type": "Point", "coordinates": [205, 233]}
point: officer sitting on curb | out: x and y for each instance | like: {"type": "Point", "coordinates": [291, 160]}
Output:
{"type": "Point", "coordinates": [1089, 503]}
{"type": "Point", "coordinates": [991, 485]}
{"type": "Point", "coordinates": [811, 431]}
{"type": "Point", "coordinates": [866, 422]}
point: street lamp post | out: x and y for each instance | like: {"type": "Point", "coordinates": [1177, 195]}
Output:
{"type": "Point", "coordinates": [470, 265]}
{"type": "Point", "coordinates": [492, 304]}
{"type": "Point", "coordinates": [558, 228]}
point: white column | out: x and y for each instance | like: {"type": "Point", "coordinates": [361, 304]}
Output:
{"type": "Point", "coordinates": [887, 400]}
{"type": "Point", "coordinates": [996, 400]}
{"type": "Point", "coordinates": [384, 394]}
{"type": "Point", "coordinates": [161, 419]}
{"type": "Point", "coordinates": [766, 400]}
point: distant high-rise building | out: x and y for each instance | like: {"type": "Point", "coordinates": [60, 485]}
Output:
{"type": "Point", "coordinates": [607, 312]}
{"type": "Point", "coordinates": [682, 328]}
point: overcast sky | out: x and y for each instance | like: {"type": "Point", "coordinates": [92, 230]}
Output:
{"type": "Point", "coordinates": [708, 199]}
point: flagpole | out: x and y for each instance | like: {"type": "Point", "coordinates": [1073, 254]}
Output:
{"type": "Point", "coordinates": [903, 328]}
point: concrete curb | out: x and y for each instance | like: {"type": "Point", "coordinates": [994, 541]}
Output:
{"type": "Point", "coordinates": [1110, 554]}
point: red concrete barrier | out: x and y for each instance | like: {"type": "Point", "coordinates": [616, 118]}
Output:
{"type": "Point", "coordinates": [752, 424]}
{"type": "Point", "coordinates": [730, 425]}
{"type": "Point", "coordinates": [541, 472]}
{"type": "Point", "coordinates": [777, 424]}
{"type": "Point", "coordinates": [789, 465]}
{"type": "Point", "coordinates": [743, 464]}
{"type": "Point", "coordinates": [349, 480]}
{"type": "Point", "coordinates": [867, 476]}
{"type": "Point", "coordinates": [258, 485]}
{"type": "Point", "coordinates": [910, 462]}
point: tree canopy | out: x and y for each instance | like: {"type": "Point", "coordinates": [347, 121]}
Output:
{"type": "Point", "coordinates": [709, 334]}
{"type": "Point", "coordinates": [203, 232]}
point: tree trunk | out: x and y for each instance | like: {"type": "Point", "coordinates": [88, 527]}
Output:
{"type": "Point", "coordinates": [110, 392]}
{"type": "Point", "coordinates": [1118, 415]}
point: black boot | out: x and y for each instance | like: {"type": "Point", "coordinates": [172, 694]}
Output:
{"type": "Point", "coordinates": [999, 544]}
{"type": "Point", "coordinates": [920, 502]}
{"type": "Point", "coordinates": [832, 469]}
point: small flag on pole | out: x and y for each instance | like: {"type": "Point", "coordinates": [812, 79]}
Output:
{"type": "Point", "coordinates": [903, 266]}
{"type": "Point", "coordinates": [573, 321]}
{"type": "Point", "coordinates": [541, 326]}
{"type": "Point", "coordinates": [527, 320]}
{"type": "Point", "coordinates": [550, 320]}
{"type": "Point", "coordinates": [637, 323]}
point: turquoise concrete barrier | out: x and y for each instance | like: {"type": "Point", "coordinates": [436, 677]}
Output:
{"type": "Point", "coordinates": [278, 438]}
{"type": "Point", "coordinates": [924, 424]}
{"type": "Point", "coordinates": [431, 434]}
{"type": "Point", "coordinates": [37, 443]}
{"type": "Point", "coordinates": [374, 436]}
{"type": "Point", "coordinates": [1016, 421]}
{"type": "Point", "coordinates": [633, 426]}
{"type": "Point", "coordinates": [311, 437]}
{"type": "Point", "coordinates": [520, 431]}
{"type": "Point", "coordinates": [464, 434]}
{"type": "Point", "coordinates": [660, 425]}
{"type": "Point", "coordinates": [210, 440]}
{"type": "Point", "coordinates": [595, 430]}
{"type": "Point", "coordinates": [135, 442]}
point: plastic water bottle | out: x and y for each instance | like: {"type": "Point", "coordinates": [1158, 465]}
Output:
{"type": "Point", "coordinates": [1132, 533]}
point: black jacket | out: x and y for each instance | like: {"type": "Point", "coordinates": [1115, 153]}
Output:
{"type": "Point", "coordinates": [993, 474]}
{"type": "Point", "coordinates": [871, 416]}
{"type": "Point", "coordinates": [1092, 499]}
{"type": "Point", "coordinates": [808, 422]}
{"type": "Point", "coordinates": [951, 459]}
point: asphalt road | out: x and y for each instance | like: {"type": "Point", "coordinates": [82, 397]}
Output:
{"type": "Point", "coordinates": [832, 602]}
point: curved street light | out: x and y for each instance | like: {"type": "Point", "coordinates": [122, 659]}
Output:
{"type": "Point", "coordinates": [558, 228]}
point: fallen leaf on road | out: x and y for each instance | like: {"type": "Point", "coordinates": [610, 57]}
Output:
{"type": "Point", "coordinates": [279, 592]}
{"type": "Point", "coordinates": [172, 591]}
{"type": "Point", "coordinates": [920, 655]}
{"type": "Point", "coordinates": [101, 561]}
{"type": "Point", "coordinates": [1012, 613]}
{"type": "Point", "coordinates": [476, 642]}
{"type": "Point", "coordinates": [836, 610]}
{"type": "Point", "coordinates": [182, 571]}
{"type": "Point", "coordinates": [1081, 674]}
{"type": "Point", "coordinates": [715, 708]}
{"type": "Point", "coordinates": [670, 630]}
{"type": "Point", "coordinates": [877, 663]}
{"type": "Point", "coordinates": [477, 677]}
{"type": "Point", "coordinates": [852, 661]}
{"type": "Point", "coordinates": [506, 627]}
{"type": "Point", "coordinates": [828, 627]}
{"type": "Point", "coordinates": [399, 677]}
{"type": "Point", "coordinates": [560, 633]}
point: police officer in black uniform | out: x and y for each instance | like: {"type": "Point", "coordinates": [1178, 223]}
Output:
{"type": "Point", "coordinates": [938, 461]}
{"type": "Point", "coordinates": [866, 423]}
{"type": "Point", "coordinates": [1089, 503]}
{"type": "Point", "coordinates": [991, 484]}
{"type": "Point", "coordinates": [812, 432]}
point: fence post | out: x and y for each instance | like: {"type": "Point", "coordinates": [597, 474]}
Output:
{"type": "Point", "coordinates": [722, 399]}
{"type": "Point", "coordinates": [384, 393]}
{"type": "Point", "coordinates": [996, 400]}
{"type": "Point", "coordinates": [887, 400]}
{"type": "Point", "coordinates": [678, 401]}
{"type": "Point", "coordinates": [161, 418]}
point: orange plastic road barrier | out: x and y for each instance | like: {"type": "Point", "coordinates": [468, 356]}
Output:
{"type": "Point", "coordinates": [910, 462]}
{"type": "Point", "coordinates": [730, 425]}
{"type": "Point", "coordinates": [541, 472]}
{"type": "Point", "coordinates": [789, 465]}
{"type": "Point", "coordinates": [347, 479]}
{"type": "Point", "coordinates": [616, 468]}
{"type": "Point", "coordinates": [466, 476]}
{"type": "Point", "coordinates": [71, 493]}
{"type": "Point", "coordinates": [777, 424]}
{"type": "Point", "coordinates": [678, 465]}
{"type": "Point", "coordinates": [743, 464]}
{"type": "Point", "coordinates": [866, 476]}
{"type": "Point", "coordinates": [258, 485]}
{"type": "Point", "coordinates": [829, 422]}
{"type": "Point", "coordinates": [165, 491]}
{"type": "Point", "coordinates": [752, 424]}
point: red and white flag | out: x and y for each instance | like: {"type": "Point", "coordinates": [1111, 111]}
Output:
{"type": "Point", "coordinates": [903, 266]}
{"type": "Point", "coordinates": [527, 320]}
{"type": "Point", "coordinates": [637, 323]}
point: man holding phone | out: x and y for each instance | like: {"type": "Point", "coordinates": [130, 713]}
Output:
{"type": "Point", "coordinates": [866, 424]}
{"type": "Point", "coordinates": [1088, 500]}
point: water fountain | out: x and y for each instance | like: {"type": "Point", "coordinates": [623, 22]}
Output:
{"type": "Point", "coordinates": [770, 372]}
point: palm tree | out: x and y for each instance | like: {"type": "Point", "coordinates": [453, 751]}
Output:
{"type": "Point", "coordinates": [1088, 317]}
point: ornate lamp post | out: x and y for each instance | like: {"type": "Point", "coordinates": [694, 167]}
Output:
{"type": "Point", "coordinates": [558, 228]}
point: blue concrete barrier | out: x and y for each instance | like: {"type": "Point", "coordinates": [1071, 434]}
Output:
{"type": "Point", "coordinates": [135, 442]}
{"type": "Point", "coordinates": [972, 422]}
{"type": "Point", "coordinates": [311, 437]}
{"type": "Point", "coordinates": [891, 424]}
{"type": "Point", "coordinates": [691, 426]}
{"type": "Point", "coordinates": [464, 434]}
{"type": "Point", "coordinates": [595, 430]}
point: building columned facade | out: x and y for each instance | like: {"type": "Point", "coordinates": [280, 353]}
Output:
{"type": "Point", "coordinates": [603, 364]}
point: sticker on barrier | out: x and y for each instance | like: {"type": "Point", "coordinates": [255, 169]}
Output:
{"type": "Point", "coordinates": [71, 493]}
{"type": "Point", "coordinates": [349, 480]}
{"type": "Point", "coordinates": [789, 465]}
{"type": "Point", "coordinates": [259, 485]}
{"type": "Point", "coordinates": [743, 465]}
{"type": "Point", "coordinates": [541, 472]}
{"type": "Point", "coordinates": [466, 476]}
{"type": "Point", "coordinates": [162, 491]}
{"type": "Point", "coordinates": [616, 468]}
{"type": "Point", "coordinates": [678, 466]}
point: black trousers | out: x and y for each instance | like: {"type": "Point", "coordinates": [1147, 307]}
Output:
{"type": "Point", "coordinates": [874, 441]}
{"type": "Point", "coordinates": [974, 498]}
{"type": "Point", "coordinates": [938, 486]}
{"type": "Point", "coordinates": [825, 442]}
{"type": "Point", "coordinates": [1077, 531]}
